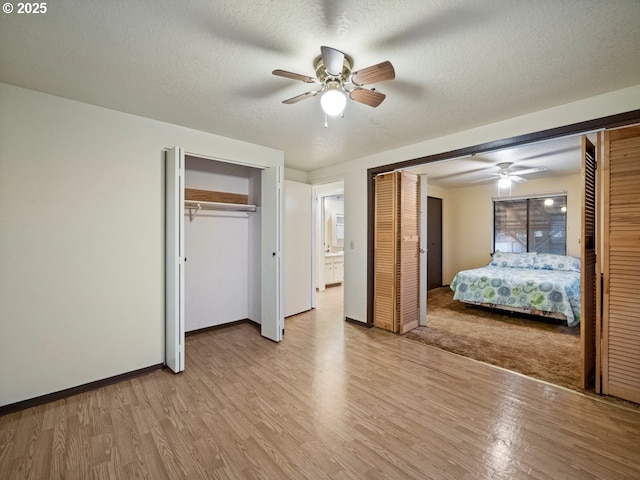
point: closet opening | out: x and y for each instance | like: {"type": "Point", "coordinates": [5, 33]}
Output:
{"type": "Point", "coordinates": [223, 252]}
{"type": "Point", "coordinates": [222, 243]}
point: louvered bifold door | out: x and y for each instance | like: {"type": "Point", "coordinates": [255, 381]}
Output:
{"type": "Point", "coordinates": [409, 278]}
{"type": "Point", "coordinates": [588, 255]}
{"type": "Point", "coordinates": [384, 293]}
{"type": "Point", "coordinates": [621, 264]}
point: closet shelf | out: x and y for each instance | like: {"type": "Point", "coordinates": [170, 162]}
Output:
{"type": "Point", "coordinates": [195, 206]}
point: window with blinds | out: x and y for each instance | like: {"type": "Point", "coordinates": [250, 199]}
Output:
{"type": "Point", "coordinates": [531, 225]}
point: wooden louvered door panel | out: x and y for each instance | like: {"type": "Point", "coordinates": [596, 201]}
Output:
{"type": "Point", "coordinates": [409, 279]}
{"type": "Point", "coordinates": [588, 255]}
{"type": "Point", "coordinates": [385, 246]}
{"type": "Point", "coordinates": [621, 264]}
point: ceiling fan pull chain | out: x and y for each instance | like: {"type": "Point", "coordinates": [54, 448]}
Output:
{"type": "Point", "coordinates": [326, 124]}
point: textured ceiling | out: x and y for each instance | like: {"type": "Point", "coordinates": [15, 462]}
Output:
{"type": "Point", "coordinates": [207, 64]}
{"type": "Point", "coordinates": [559, 157]}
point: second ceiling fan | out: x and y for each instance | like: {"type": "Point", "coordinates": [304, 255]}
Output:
{"type": "Point", "coordinates": [336, 81]}
{"type": "Point", "coordinates": [505, 175]}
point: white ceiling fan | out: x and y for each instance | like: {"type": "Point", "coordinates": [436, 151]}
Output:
{"type": "Point", "coordinates": [336, 81]}
{"type": "Point", "coordinates": [505, 175]}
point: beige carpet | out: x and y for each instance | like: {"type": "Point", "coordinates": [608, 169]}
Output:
{"type": "Point", "coordinates": [533, 346]}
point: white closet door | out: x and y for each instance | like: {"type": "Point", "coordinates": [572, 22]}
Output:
{"type": "Point", "coordinates": [272, 321]}
{"type": "Point", "coordinates": [297, 248]}
{"type": "Point", "coordinates": [174, 246]}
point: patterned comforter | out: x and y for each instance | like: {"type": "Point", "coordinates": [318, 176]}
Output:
{"type": "Point", "coordinates": [530, 289]}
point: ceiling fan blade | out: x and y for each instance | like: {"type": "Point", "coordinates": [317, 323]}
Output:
{"type": "Point", "coordinates": [373, 74]}
{"type": "Point", "coordinates": [492, 177]}
{"type": "Point", "coordinates": [449, 176]}
{"type": "Point", "coordinates": [517, 179]}
{"type": "Point", "coordinates": [333, 60]}
{"type": "Point", "coordinates": [300, 97]}
{"type": "Point", "coordinates": [529, 170]}
{"type": "Point", "coordinates": [366, 96]}
{"type": "Point", "coordinates": [294, 76]}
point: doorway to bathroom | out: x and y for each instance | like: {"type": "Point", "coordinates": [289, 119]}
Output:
{"type": "Point", "coordinates": [330, 243]}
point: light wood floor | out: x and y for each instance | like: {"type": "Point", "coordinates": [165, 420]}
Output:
{"type": "Point", "coordinates": [333, 400]}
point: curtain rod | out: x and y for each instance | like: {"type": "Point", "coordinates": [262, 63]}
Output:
{"type": "Point", "coordinates": [535, 195]}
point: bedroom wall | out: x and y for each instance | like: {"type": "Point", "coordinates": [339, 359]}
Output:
{"type": "Point", "coordinates": [470, 216]}
{"type": "Point", "coordinates": [296, 175]}
{"type": "Point", "coordinates": [82, 238]}
{"type": "Point", "coordinates": [354, 173]}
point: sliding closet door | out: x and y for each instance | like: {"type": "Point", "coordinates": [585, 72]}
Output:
{"type": "Point", "coordinates": [588, 287]}
{"type": "Point", "coordinates": [272, 321]}
{"type": "Point", "coordinates": [409, 252]}
{"type": "Point", "coordinates": [174, 261]}
{"type": "Point", "coordinates": [621, 264]}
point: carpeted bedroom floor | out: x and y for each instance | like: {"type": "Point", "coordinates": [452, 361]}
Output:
{"type": "Point", "coordinates": [534, 346]}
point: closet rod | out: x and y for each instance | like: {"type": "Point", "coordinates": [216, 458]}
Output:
{"type": "Point", "coordinates": [194, 207]}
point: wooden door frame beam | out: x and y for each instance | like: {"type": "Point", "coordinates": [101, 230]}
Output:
{"type": "Point", "coordinates": [611, 121]}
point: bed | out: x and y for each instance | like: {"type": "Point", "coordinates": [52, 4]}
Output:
{"type": "Point", "coordinates": [539, 284]}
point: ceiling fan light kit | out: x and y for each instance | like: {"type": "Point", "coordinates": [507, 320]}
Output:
{"type": "Point", "coordinates": [333, 101]}
{"type": "Point", "coordinates": [506, 176]}
{"type": "Point", "coordinates": [336, 80]}
{"type": "Point", "coordinates": [504, 182]}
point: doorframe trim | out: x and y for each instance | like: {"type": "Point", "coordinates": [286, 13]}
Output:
{"type": "Point", "coordinates": [611, 121]}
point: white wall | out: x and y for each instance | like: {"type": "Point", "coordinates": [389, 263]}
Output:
{"type": "Point", "coordinates": [354, 173]}
{"type": "Point", "coordinates": [216, 271]}
{"type": "Point", "coordinates": [295, 175]}
{"type": "Point", "coordinates": [82, 238]}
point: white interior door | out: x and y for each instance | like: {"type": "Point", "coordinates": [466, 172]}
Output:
{"type": "Point", "coordinates": [174, 268]}
{"type": "Point", "coordinates": [272, 321]}
{"type": "Point", "coordinates": [298, 275]}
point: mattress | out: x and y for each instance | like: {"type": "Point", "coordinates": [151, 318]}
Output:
{"type": "Point", "coordinates": [553, 291]}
